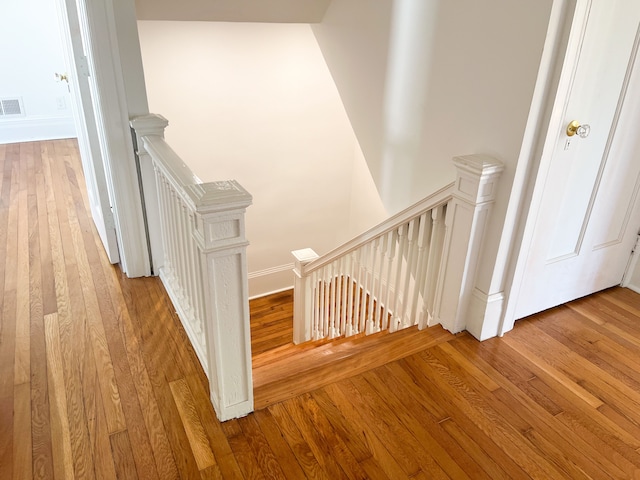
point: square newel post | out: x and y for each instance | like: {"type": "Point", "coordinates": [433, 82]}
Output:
{"type": "Point", "coordinates": [142, 126]}
{"type": "Point", "coordinates": [302, 296]}
{"type": "Point", "coordinates": [219, 233]}
{"type": "Point", "coordinates": [465, 223]}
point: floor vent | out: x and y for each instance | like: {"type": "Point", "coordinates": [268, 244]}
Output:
{"type": "Point", "coordinates": [10, 107]}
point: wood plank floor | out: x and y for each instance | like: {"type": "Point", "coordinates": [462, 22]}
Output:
{"type": "Point", "coordinates": [286, 370]}
{"type": "Point", "coordinates": [98, 380]}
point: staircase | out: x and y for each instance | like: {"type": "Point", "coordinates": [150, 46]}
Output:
{"type": "Point", "coordinates": [388, 293]}
{"type": "Point", "coordinates": [391, 292]}
{"type": "Point", "coordinates": [282, 370]}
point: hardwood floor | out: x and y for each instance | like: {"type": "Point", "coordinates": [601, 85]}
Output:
{"type": "Point", "coordinates": [98, 380]}
{"type": "Point", "coordinates": [289, 370]}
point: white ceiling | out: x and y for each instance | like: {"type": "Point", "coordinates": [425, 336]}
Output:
{"type": "Point", "coordinates": [268, 11]}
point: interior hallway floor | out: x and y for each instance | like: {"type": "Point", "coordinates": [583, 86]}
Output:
{"type": "Point", "coordinates": [98, 379]}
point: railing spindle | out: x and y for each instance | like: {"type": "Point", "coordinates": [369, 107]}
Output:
{"type": "Point", "coordinates": [391, 252]}
{"type": "Point", "coordinates": [343, 294]}
{"type": "Point", "coordinates": [423, 239]}
{"type": "Point", "coordinates": [370, 313]}
{"type": "Point", "coordinates": [435, 253]}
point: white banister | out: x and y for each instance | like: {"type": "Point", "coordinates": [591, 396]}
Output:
{"type": "Point", "coordinates": [416, 268]}
{"type": "Point", "coordinates": [203, 266]}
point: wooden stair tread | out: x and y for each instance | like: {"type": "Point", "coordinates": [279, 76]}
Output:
{"type": "Point", "coordinates": [281, 352]}
{"type": "Point", "coordinates": [282, 370]}
{"type": "Point", "coordinates": [313, 368]}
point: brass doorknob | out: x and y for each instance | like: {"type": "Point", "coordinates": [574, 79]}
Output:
{"type": "Point", "coordinates": [575, 127]}
{"type": "Point", "coordinates": [62, 77]}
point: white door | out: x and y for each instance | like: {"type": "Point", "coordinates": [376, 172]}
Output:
{"type": "Point", "coordinates": [584, 213]}
{"type": "Point", "coordinates": [88, 135]}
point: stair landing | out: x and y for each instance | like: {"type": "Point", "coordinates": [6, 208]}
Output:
{"type": "Point", "coordinates": [282, 370]}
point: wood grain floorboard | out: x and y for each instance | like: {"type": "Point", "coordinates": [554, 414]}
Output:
{"type": "Point", "coordinates": [98, 379]}
{"type": "Point", "coordinates": [40, 420]}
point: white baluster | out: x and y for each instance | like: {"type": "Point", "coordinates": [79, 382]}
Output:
{"type": "Point", "coordinates": [344, 279]}
{"type": "Point", "coordinates": [433, 265]}
{"type": "Point", "coordinates": [171, 227]}
{"type": "Point", "coordinates": [316, 305]}
{"type": "Point", "coordinates": [351, 289]}
{"type": "Point", "coordinates": [391, 254]}
{"type": "Point", "coordinates": [162, 220]}
{"type": "Point", "coordinates": [333, 332]}
{"type": "Point", "coordinates": [372, 289]}
{"type": "Point", "coordinates": [357, 292]}
{"type": "Point", "coordinates": [399, 262]}
{"type": "Point", "coordinates": [365, 269]}
{"type": "Point", "coordinates": [424, 234]}
{"type": "Point", "coordinates": [380, 294]}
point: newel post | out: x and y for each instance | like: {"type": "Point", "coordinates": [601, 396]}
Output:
{"type": "Point", "coordinates": [219, 232]}
{"type": "Point", "coordinates": [143, 126]}
{"type": "Point", "coordinates": [302, 296]}
{"type": "Point", "coordinates": [465, 222]}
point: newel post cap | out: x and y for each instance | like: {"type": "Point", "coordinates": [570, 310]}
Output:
{"type": "Point", "coordinates": [303, 256]}
{"type": "Point", "coordinates": [478, 164]}
{"type": "Point", "coordinates": [476, 178]}
{"type": "Point", "coordinates": [152, 124]}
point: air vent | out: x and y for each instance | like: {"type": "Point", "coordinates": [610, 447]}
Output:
{"type": "Point", "coordinates": [10, 106]}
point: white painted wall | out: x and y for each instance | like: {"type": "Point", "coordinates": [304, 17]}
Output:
{"type": "Point", "coordinates": [30, 56]}
{"type": "Point", "coordinates": [256, 103]}
{"type": "Point", "coordinates": [476, 63]}
{"type": "Point", "coordinates": [354, 40]}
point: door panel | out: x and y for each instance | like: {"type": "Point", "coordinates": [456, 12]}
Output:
{"type": "Point", "coordinates": [586, 224]}
{"type": "Point", "coordinates": [88, 134]}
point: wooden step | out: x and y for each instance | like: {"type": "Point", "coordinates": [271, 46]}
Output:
{"type": "Point", "coordinates": [287, 370]}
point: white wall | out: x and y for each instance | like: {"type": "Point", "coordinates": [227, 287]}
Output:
{"type": "Point", "coordinates": [481, 62]}
{"type": "Point", "coordinates": [256, 103]}
{"type": "Point", "coordinates": [30, 56]}
{"type": "Point", "coordinates": [354, 40]}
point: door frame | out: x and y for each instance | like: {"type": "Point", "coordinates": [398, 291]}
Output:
{"type": "Point", "coordinates": [556, 102]}
{"type": "Point", "coordinates": [119, 94]}
{"type": "Point", "coordinates": [86, 129]}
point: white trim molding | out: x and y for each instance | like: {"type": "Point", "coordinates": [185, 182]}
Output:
{"type": "Point", "coordinates": [32, 129]}
{"type": "Point", "coordinates": [110, 79]}
{"type": "Point", "coordinates": [483, 316]}
{"type": "Point", "coordinates": [270, 280]}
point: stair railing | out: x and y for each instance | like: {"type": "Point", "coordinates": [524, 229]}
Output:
{"type": "Point", "coordinates": [203, 263]}
{"type": "Point", "coordinates": [416, 268]}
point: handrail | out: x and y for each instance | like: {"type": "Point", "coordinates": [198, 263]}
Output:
{"type": "Point", "coordinates": [203, 197]}
{"type": "Point", "coordinates": [434, 200]}
{"type": "Point", "coordinates": [164, 155]}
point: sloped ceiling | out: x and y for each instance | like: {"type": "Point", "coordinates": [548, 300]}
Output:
{"type": "Point", "coordinates": [268, 11]}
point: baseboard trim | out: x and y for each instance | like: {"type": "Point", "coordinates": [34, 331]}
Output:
{"type": "Point", "coordinates": [632, 287]}
{"type": "Point", "coordinates": [484, 314]}
{"type": "Point", "coordinates": [273, 292]}
{"type": "Point", "coordinates": [270, 280]}
{"type": "Point", "coordinates": [36, 129]}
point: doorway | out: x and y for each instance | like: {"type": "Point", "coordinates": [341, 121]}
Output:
{"type": "Point", "coordinates": [582, 223]}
